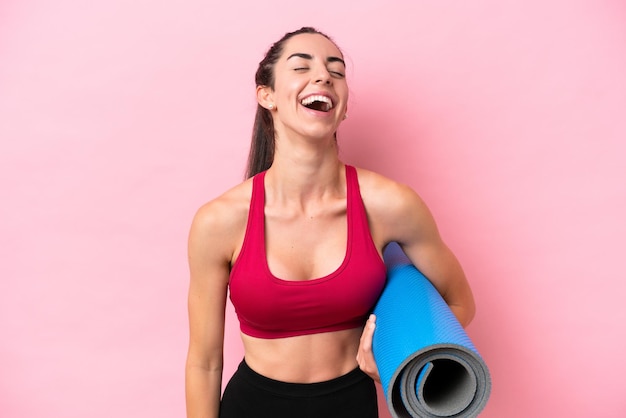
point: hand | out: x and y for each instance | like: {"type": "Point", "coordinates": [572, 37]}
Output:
{"type": "Point", "coordinates": [365, 357]}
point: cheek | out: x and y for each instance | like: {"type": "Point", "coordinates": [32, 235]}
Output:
{"type": "Point", "coordinates": [286, 97]}
{"type": "Point", "coordinates": [342, 90]}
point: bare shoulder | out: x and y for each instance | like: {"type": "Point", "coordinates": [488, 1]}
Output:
{"type": "Point", "coordinates": [384, 195]}
{"type": "Point", "coordinates": [226, 208]}
{"type": "Point", "coordinates": [218, 224]}
{"type": "Point", "coordinates": [394, 209]}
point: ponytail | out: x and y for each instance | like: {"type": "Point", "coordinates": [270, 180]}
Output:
{"type": "Point", "coordinates": [262, 146]}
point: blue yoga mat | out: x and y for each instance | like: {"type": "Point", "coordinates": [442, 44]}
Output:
{"type": "Point", "coordinates": [428, 366]}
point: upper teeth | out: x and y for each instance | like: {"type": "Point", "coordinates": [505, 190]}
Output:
{"type": "Point", "coordinates": [308, 100]}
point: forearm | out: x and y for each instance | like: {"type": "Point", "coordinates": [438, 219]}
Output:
{"type": "Point", "coordinates": [203, 390]}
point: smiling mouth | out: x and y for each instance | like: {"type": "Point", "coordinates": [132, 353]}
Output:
{"type": "Point", "coordinates": [317, 102]}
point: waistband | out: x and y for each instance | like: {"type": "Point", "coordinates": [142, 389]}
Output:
{"type": "Point", "coordinates": [352, 378]}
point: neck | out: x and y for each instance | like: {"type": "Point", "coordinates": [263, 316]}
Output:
{"type": "Point", "coordinates": [303, 170]}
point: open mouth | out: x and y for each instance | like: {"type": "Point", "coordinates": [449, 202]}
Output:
{"type": "Point", "coordinates": [318, 102]}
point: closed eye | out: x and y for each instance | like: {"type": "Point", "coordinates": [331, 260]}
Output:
{"type": "Point", "coordinates": [337, 74]}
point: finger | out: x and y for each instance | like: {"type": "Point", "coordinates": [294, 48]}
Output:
{"type": "Point", "coordinates": [368, 333]}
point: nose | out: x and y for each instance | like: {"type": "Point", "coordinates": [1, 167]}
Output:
{"type": "Point", "coordinates": [323, 76]}
{"type": "Point", "coordinates": [323, 80]}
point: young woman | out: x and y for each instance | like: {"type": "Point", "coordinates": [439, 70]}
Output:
{"type": "Point", "coordinates": [299, 245]}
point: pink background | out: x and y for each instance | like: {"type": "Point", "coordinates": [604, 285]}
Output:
{"type": "Point", "coordinates": [118, 119]}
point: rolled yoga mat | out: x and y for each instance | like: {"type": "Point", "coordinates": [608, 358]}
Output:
{"type": "Point", "coordinates": [428, 366]}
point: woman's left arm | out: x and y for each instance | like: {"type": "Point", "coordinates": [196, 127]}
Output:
{"type": "Point", "coordinates": [398, 214]}
{"type": "Point", "coordinates": [422, 243]}
{"type": "Point", "coordinates": [409, 222]}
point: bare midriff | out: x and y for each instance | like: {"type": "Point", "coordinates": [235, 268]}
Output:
{"type": "Point", "coordinates": [305, 358]}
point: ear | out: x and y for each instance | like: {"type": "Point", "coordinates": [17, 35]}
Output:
{"type": "Point", "coordinates": [265, 97]}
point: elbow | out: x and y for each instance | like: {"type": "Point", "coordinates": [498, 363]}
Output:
{"type": "Point", "coordinates": [467, 307]}
{"type": "Point", "coordinates": [211, 364]}
{"type": "Point", "coordinates": [469, 315]}
{"type": "Point", "coordinates": [464, 313]}
{"type": "Point", "coordinates": [469, 312]}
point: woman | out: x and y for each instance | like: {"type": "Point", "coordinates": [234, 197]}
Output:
{"type": "Point", "coordinates": [299, 244]}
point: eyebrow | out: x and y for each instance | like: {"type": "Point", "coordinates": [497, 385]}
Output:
{"type": "Point", "coordinates": [310, 57]}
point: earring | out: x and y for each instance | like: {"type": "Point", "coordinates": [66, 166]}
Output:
{"type": "Point", "coordinates": [270, 106]}
{"type": "Point", "coordinates": [345, 116]}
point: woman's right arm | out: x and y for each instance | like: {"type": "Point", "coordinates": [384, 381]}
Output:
{"type": "Point", "coordinates": [209, 266]}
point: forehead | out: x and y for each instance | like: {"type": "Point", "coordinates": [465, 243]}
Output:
{"type": "Point", "coordinates": [312, 44]}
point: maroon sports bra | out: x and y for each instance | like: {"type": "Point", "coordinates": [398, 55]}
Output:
{"type": "Point", "coordinates": [270, 307]}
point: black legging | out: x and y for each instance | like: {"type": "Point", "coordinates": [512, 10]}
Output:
{"type": "Point", "coordinates": [251, 395]}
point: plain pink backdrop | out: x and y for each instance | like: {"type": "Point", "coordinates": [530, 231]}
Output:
{"type": "Point", "coordinates": [119, 119]}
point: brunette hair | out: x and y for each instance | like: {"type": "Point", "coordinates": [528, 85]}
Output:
{"type": "Point", "coordinates": [262, 145]}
